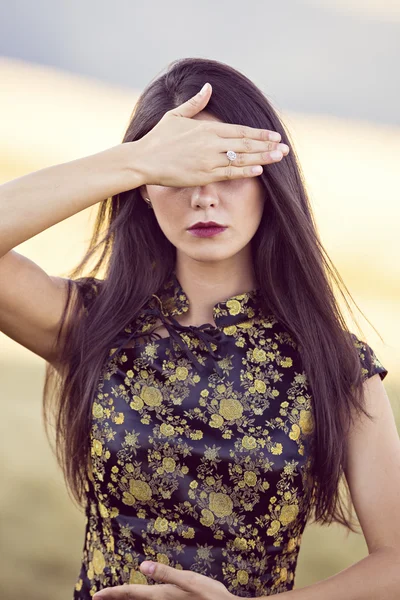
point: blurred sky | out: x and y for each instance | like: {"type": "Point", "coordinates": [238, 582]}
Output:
{"type": "Point", "coordinates": [335, 57]}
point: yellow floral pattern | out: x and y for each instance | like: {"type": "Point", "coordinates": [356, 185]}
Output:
{"type": "Point", "coordinates": [201, 471]}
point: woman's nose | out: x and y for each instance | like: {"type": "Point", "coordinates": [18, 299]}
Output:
{"type": "Point", "coordinates": [204, 197]}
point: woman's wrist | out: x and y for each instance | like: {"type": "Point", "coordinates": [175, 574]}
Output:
{"type": "Point", "coordinates": [134, 164]}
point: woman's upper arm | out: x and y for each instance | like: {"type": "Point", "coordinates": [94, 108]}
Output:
{"type": "Point", "coordinates": [31, 304]}
{"type": "Point", "coordinates": [373, 468]}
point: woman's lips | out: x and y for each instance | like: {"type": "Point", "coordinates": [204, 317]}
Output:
{"type": "Point", "coordinates": [206, 231]}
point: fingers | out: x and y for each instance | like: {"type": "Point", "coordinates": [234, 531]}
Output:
{"type": "Point", "coordinates": [246, 165]}
{"type": "Point", "coordinates": [194, 105]}
{"type": "Point", "coordinates": [253, 147]}
{"type": "Point", "coordinates": [251, 159]}
{"type": "Point", "coordinates": [227, 130]}
{"type": "Point", "coordinates": [247, 145]}
{"type": "Point", "coordinates": [231, 172]}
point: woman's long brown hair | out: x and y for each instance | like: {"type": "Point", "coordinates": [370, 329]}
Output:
{"type": "Point", "coordinates": [294, 274]}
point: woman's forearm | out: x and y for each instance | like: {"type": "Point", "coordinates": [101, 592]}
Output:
{"type": "Point", "coordinates": [375, 577]}
{"type": "Point", "coordinates": [34, 202]}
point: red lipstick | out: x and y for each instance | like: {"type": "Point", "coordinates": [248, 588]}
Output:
{"type": "Point", "coordinates": [206, 229]}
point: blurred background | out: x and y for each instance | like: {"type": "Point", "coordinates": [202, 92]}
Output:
{"type": "Point", "coordinates": [70, 75]}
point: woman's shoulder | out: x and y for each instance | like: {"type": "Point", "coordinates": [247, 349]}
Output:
{"type": "Point", "coordinates": [370, 363]}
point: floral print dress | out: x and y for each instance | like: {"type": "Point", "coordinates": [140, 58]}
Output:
{"type": "Point", "coordinates": [200, 449]}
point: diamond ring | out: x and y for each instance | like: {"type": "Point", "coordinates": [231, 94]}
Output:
{"type": "Point", "coordinates": [231, 155]}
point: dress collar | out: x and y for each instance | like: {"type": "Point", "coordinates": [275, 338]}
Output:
{"type": "Point", "coordinates": [171, 301]}
{"type": "Point", "coordinates": [242, 307]}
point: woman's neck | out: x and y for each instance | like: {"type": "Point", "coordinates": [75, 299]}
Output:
{"type": "Point", "coordinates": [206, 284]}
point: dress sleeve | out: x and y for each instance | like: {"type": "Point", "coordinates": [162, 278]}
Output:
{"type": "Point", "coordinates": [370, 363]}
{"type": "Point", "coordinates": [88, 288]}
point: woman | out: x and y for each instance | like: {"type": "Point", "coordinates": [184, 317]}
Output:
{"type": "Point", "coordinates": [205, 388]}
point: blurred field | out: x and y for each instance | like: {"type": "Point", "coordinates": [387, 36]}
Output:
{"type": "Point", "coordinates": [351, 169]}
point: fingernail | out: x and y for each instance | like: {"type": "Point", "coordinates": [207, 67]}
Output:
{"type": "Point", "coordinates": [203, 89]}
{"type": "Point", "coordinates": [148, 567]}
{"type": "Point", "coordinates": [275, 137]}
